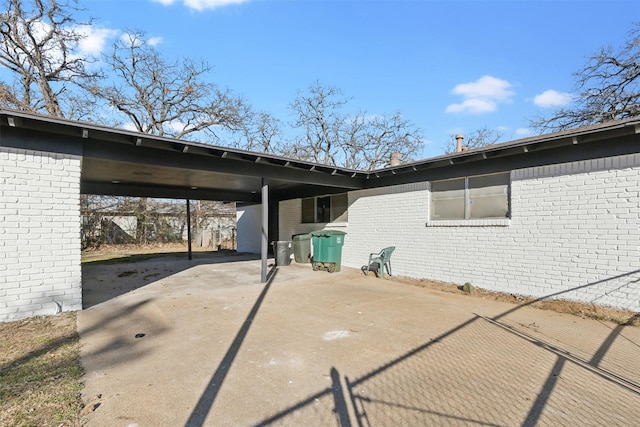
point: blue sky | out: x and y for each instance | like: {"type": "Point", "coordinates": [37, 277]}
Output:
{"type": "Point", "coordinates": [447, 66]}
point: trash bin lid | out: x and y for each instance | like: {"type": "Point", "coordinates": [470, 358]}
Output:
{"type": "Point", "coordinates": [327, 233]}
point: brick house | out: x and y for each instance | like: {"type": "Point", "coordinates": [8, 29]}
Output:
{"type": "Point", "coordinates": [563, 225]}
{"type": "Point", "coordinates": [551, 216]}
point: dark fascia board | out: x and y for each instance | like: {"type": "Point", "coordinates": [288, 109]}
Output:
{"type": "Point", "coordinates": [166, 192]}
{"type": "Point", "coordinates": [260, 163]}
{"type": "Point", "coordinates": [621, 144]}
{"type": "Point", "coordinates": [594, 133]}
{"type": "Point", "coordinates": [301, 192]}
{"type": "Point", "coordinates": [95, 132]}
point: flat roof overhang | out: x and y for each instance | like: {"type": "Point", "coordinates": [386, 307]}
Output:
{"type": "Point", "coordinates": [125, 163]}
{"type": "Point", "coordinates": [586, 143]}
{"type": "Point", "coordinates": [121, 162]}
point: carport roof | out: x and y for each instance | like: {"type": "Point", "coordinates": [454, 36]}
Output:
{"type": "Point", "coordinates": [121, 162]}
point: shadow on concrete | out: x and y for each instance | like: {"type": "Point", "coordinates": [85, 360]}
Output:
{"type": "Point", "coordinates": [615, 333]}
{"type": "Point", "coordinates": [328, 406]}
{"type": "Point", "coordinates": [379, 405]}
{"type": "Point", "coordinates": [104, 280]}
{"type": "Point", "coordinates": [545, 393]}
{"type": "Point", "coordinates": [562, 357]}
{"type": "Point", "coordinates": [111, 353]}
{"type": "Point", "coordinates": [208, 397]}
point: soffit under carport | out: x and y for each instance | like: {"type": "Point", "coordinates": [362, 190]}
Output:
{"type": "Point", "coordinates": [121, 162]}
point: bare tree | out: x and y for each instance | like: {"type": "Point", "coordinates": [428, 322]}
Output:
{"type": "Point", "coordinates": [371, 140]}
{"type": "Point", "coordinates": [361, 141]}
{"type": "Point", "coordinates": [37, 41]}
{"type": "Point", "coordinates": [262, 132]}
{"type": "Point", "coordinates": [319, 115]}
{"type": "Point", "coordinates": [606, 88]}
{"type": "Point", "coordinates": [166, 98]}
{"type": "Point", "coordinates": [476, 139]}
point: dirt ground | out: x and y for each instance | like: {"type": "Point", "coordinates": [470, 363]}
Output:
{"type": "Point", "coordinates": [584, 310]}
{"type": "Point", "coordinates": [104, 252]}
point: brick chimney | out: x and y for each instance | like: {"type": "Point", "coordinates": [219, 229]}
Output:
{"type": "Point", "coordinates": [459, 141]}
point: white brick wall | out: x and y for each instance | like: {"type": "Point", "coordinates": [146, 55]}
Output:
{"type": "Point", "coordinates": [289, 217]}
{"type": "Point", "coordinates": [249, 223]}
{"type": "Point", "coordinates": [573, 234]}
{"type": "Point", "coordinates": [39, 233]}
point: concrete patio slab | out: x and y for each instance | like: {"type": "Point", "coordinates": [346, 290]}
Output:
{"type": "Point", "coordinates": [215, 347]}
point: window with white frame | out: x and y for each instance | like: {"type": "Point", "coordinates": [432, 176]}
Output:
{"type": "Point", "coordinates": [472, 197]}
{"type": "Point", "coordinates": [324, 209]}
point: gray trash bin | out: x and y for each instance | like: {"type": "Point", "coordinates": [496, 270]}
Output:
{"type": "Point", "coordinates": [282, 252]}
{"type": "Point", "coordinates": [302, 248]}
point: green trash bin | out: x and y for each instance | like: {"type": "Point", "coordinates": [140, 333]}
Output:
{"type": "Point", "coordinates": [327, 250]}
{"type": "Point", "coordinates": [301, 247]}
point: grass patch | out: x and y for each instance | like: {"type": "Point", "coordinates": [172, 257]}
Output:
{"type": "Point", "coordinates": [126, 259]}
{"type": "Point", "coordinates": [117, 254]}
{"type": "Point", "coordinates": [40, 372]}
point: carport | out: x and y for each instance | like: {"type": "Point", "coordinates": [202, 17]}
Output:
{"type": "Point", "coordinates": [46, 163]}
{"type": "Point", "coordinates": [118, 162]}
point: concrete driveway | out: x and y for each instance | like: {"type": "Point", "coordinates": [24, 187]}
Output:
{"type": "Point", "coordinates": [172, 342]}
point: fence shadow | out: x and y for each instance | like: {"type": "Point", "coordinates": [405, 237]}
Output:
{"type": "Point", "coordinates": [422, 387]}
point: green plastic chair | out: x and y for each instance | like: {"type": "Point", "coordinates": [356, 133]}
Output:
{"type": "Point", "coordinates": [382, 259]}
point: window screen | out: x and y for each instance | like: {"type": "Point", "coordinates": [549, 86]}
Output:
{"type": "Point", "coordinates": [339, 211]}
{"type": "Point", "coordinates": [475, 197]}
{"type": "Point", "coordinates": [489, 196]}
{"type": "Point", "coordinates": [308, 210]}
{"type": "Point", "coordinates": [325, 209]}
{"type": "Point", "coordinates": [447, 199]}
{"type": "Point", "coordinates": [323, 212]}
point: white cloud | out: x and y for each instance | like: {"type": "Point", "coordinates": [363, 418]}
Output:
{"type": "Point", "coordinates": [89, 46]}
{"type": "Point", "coordinates": [523, 131]}
{"type": "Point", "coordinates": [154, 41]}
{"type": "Point", "coordinates": [481, 96]}
{"type": "Point", "coordinates": [201, 5]}
{"type": "Point", "coordinates": [129, 126]}
{"type": "Point", "coordinates": [485, 87]}
{"type": "Point", "coordinates": [551, 98]}
{"type": "Point", "coordinates": [175, 127]}
{"type": "Point", "coordinates": [94, 39]}
{"type": "Point", "coordinates": [473, 106]}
